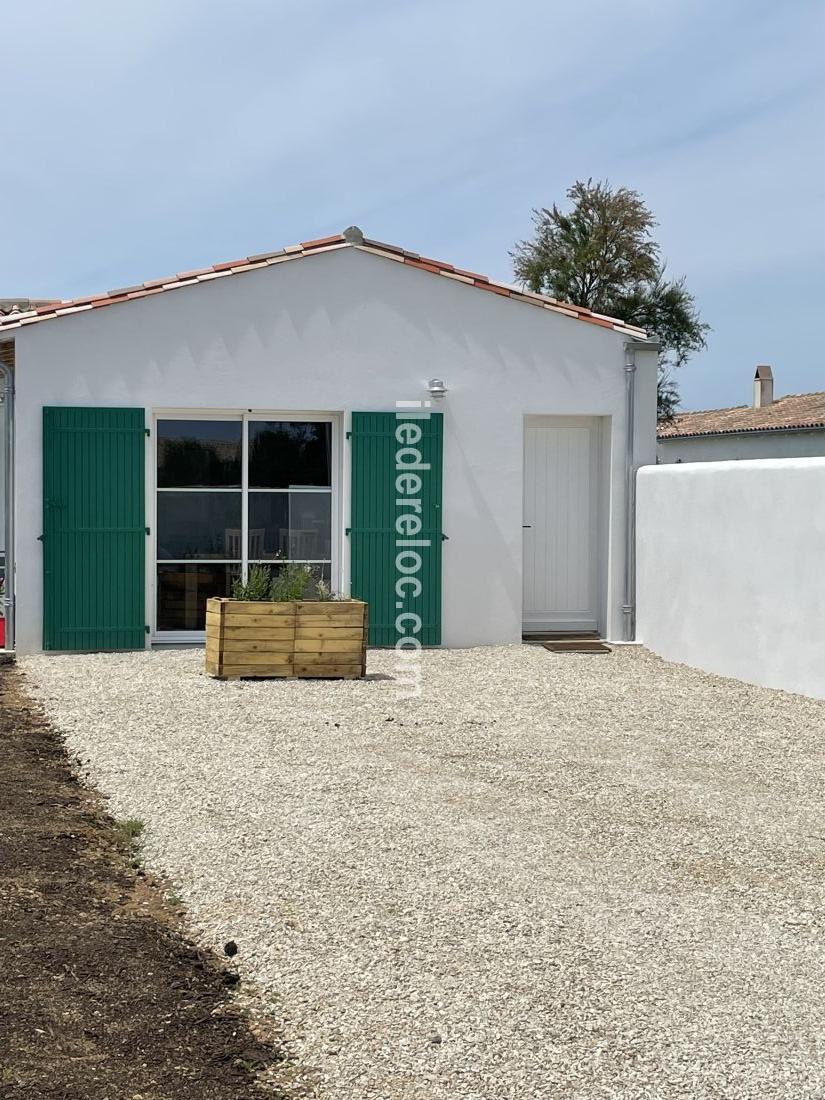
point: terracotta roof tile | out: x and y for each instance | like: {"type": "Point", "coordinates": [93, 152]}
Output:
{"type": "Point", "coordinates": [493, 287]}
{"type": "Point", "coordinates": [474, 275]}
{"type": "Point", "coordinates": [73, 308]}
{"type": "Point", "coordinates": [424, 266]}
{"type": "Point", "coordinates": [20, 306]}
{"type": "Point", "coordinates": [795, 410]}
{"type": "Point", "coordinates": [230, 264]}
{"type": "Point", "coordinates": [128, 289]}
{"type": "Point", "coordinates": [336, 238]}
{"type": "Point", "coordinates": [382, 246]}
{"type": "Point", "coordinates": [436, 263]}
{"type": "Point", "coordinates": [388, 254]}
{"type": "Point", "coordinates": [41, 311]}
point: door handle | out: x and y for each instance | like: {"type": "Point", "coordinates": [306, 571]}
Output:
{"type": "Point", "coordinates": [525, 526]}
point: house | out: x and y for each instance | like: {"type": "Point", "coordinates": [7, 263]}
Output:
{"type": "Point", "coordinates": [8, 306]}
{"type": "Point", "coordinates": [783, 427]}
{"type": "Point", "coordinates": [451, 449]}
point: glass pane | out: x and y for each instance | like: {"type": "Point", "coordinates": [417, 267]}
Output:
{"type": "Point", "coordinates": [195, 454]}
{"type": "Point", "coordinates": [296, 526]}
{"type": "Point", "coordinates": [288, 453]}
{"type": "Point", "coordinates": [184, 589]}
{"type": "Point", "coordinates": [199, 525]}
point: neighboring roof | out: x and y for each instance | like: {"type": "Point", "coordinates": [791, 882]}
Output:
{"type": "Point", "coordinates": [796, 410]}
{"type": "Point", "coordinates": [23, 305]}
{"type": "Point", "coordinates": [350, 238]}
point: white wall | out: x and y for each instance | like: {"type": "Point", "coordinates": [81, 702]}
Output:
{"type": "Point", "coordinates": [2, 480]}
{"type": "Point", "coordinates": [719, 448]}
{"type": "Point", "coordinates": [731, 569]}
{"type": "Point", "coordinates": [347, 331]}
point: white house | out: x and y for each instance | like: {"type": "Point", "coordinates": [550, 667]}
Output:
{"type": "Point", "coordinates": [451, 449]}
{"type": "Point", "coordinates": [785, 427]}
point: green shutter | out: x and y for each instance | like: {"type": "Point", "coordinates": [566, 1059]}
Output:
{"type": "Point", "coordinates": [94, 533]}
{"type": "Point", "coordinates": [374, 539]}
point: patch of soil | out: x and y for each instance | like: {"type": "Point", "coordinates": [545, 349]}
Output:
{"type": "Point", "coordinates": [101, 998]}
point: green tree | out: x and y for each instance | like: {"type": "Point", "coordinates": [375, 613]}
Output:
{"type": "Point", "coordinates": [601, 254]}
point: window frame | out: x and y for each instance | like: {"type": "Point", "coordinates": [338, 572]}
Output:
{"type": "Point", "coordinates": [194, 637]}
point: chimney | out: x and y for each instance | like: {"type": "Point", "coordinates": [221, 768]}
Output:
{"type": "Point", "coordinates": [762, 387]}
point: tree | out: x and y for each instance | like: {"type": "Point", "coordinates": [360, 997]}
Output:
{"type": "Point", "coordinates": [602, 255]}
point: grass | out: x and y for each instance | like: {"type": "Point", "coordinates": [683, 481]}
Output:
{"type": "Point", "coordinates": [128, 832]}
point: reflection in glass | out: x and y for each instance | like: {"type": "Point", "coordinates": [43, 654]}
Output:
{"type": "Point", "coordinates": [199, 525]}
{"type": "Point", "coordinates": [184, 589]}
{"type": "Point", "coordinates": [289, 453]}
{"type": "Point", "coordinates": [295, 526]}
{"type": "Point", "coordinates": [199, 454]}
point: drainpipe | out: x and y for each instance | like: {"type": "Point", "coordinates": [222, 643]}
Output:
{"type": "Point", "coordinates": [7, 396]}
{"type": "Point", "coordinates": [629, 602]}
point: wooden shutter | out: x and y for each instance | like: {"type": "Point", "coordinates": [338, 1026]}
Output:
{"type": "Point", "coordinates": [374, 539]}
{"type": "Point", "coordinates": [94, 533]}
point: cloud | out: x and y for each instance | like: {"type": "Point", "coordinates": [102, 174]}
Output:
{"type": "Point", "coordinates": [154, 136]}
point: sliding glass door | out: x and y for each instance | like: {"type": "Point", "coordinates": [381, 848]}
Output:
{"type": "Point", "coordinates": [232, 491]}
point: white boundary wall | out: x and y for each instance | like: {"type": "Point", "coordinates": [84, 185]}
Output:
{"type": "Point", "coordinates": [731, 568]}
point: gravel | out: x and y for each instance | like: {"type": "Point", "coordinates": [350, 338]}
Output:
{"type": "Point", "coordinates": [549, 876]}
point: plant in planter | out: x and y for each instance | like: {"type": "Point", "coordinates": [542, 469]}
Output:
{"type": "Point", "coordinates": [268, 628]}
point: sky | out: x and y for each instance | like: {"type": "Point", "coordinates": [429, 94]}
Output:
{"type": "Point", "coordinates": [144, 138]}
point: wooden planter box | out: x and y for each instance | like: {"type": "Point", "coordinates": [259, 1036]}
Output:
{"type": "Point", "coordinates": [304, 638]}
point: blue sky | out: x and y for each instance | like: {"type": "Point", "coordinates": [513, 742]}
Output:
{"type": "Point", "coordinates": [141, 139]}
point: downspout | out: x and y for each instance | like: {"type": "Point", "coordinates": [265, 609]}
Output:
{"type": "Point", "coordinates": [629, 602]}
{"type": "Point", "coordinates": [7, 396]}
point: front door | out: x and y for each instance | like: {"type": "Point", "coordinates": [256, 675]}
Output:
{"type": "Point", "coordinates": [562, 543]}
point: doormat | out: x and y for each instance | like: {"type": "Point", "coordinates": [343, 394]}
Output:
{"type": "Point", "coordinates": [577, 647]}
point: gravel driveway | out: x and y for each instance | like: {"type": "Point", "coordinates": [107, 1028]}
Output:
{"type": "Point", "coordinates": [549, 877]}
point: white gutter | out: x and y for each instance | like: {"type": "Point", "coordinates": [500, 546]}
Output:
{"type": "Point", "coordinates": [7, 395]}
{"type": "Point", "coordinates": [629, 601]}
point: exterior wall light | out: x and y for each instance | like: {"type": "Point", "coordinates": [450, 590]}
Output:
{"type": "Point", "coordinates": [436, 388]}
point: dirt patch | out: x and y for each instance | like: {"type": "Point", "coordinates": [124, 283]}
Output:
{"type": "Point", "coordinates": [100, 995]}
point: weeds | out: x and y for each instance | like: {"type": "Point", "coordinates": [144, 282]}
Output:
{"type": "Point", "coordinates": [128, 832]}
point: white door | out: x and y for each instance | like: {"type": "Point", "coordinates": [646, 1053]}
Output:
{"type": "Point", "coordinates": [561, 523]}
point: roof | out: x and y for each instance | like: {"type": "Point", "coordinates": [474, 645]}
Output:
{"type": "Point", "coordinates": [796, 410]}
{"type": "Point", "coordinates": [350, 238]}
{"type": "Point", "coordinates": [22, 305]}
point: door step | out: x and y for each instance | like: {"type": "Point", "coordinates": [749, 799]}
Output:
{"type": "Point", "coordinates": [577, 647]}
{"type": "Point", "coordinates": [569, 643]}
